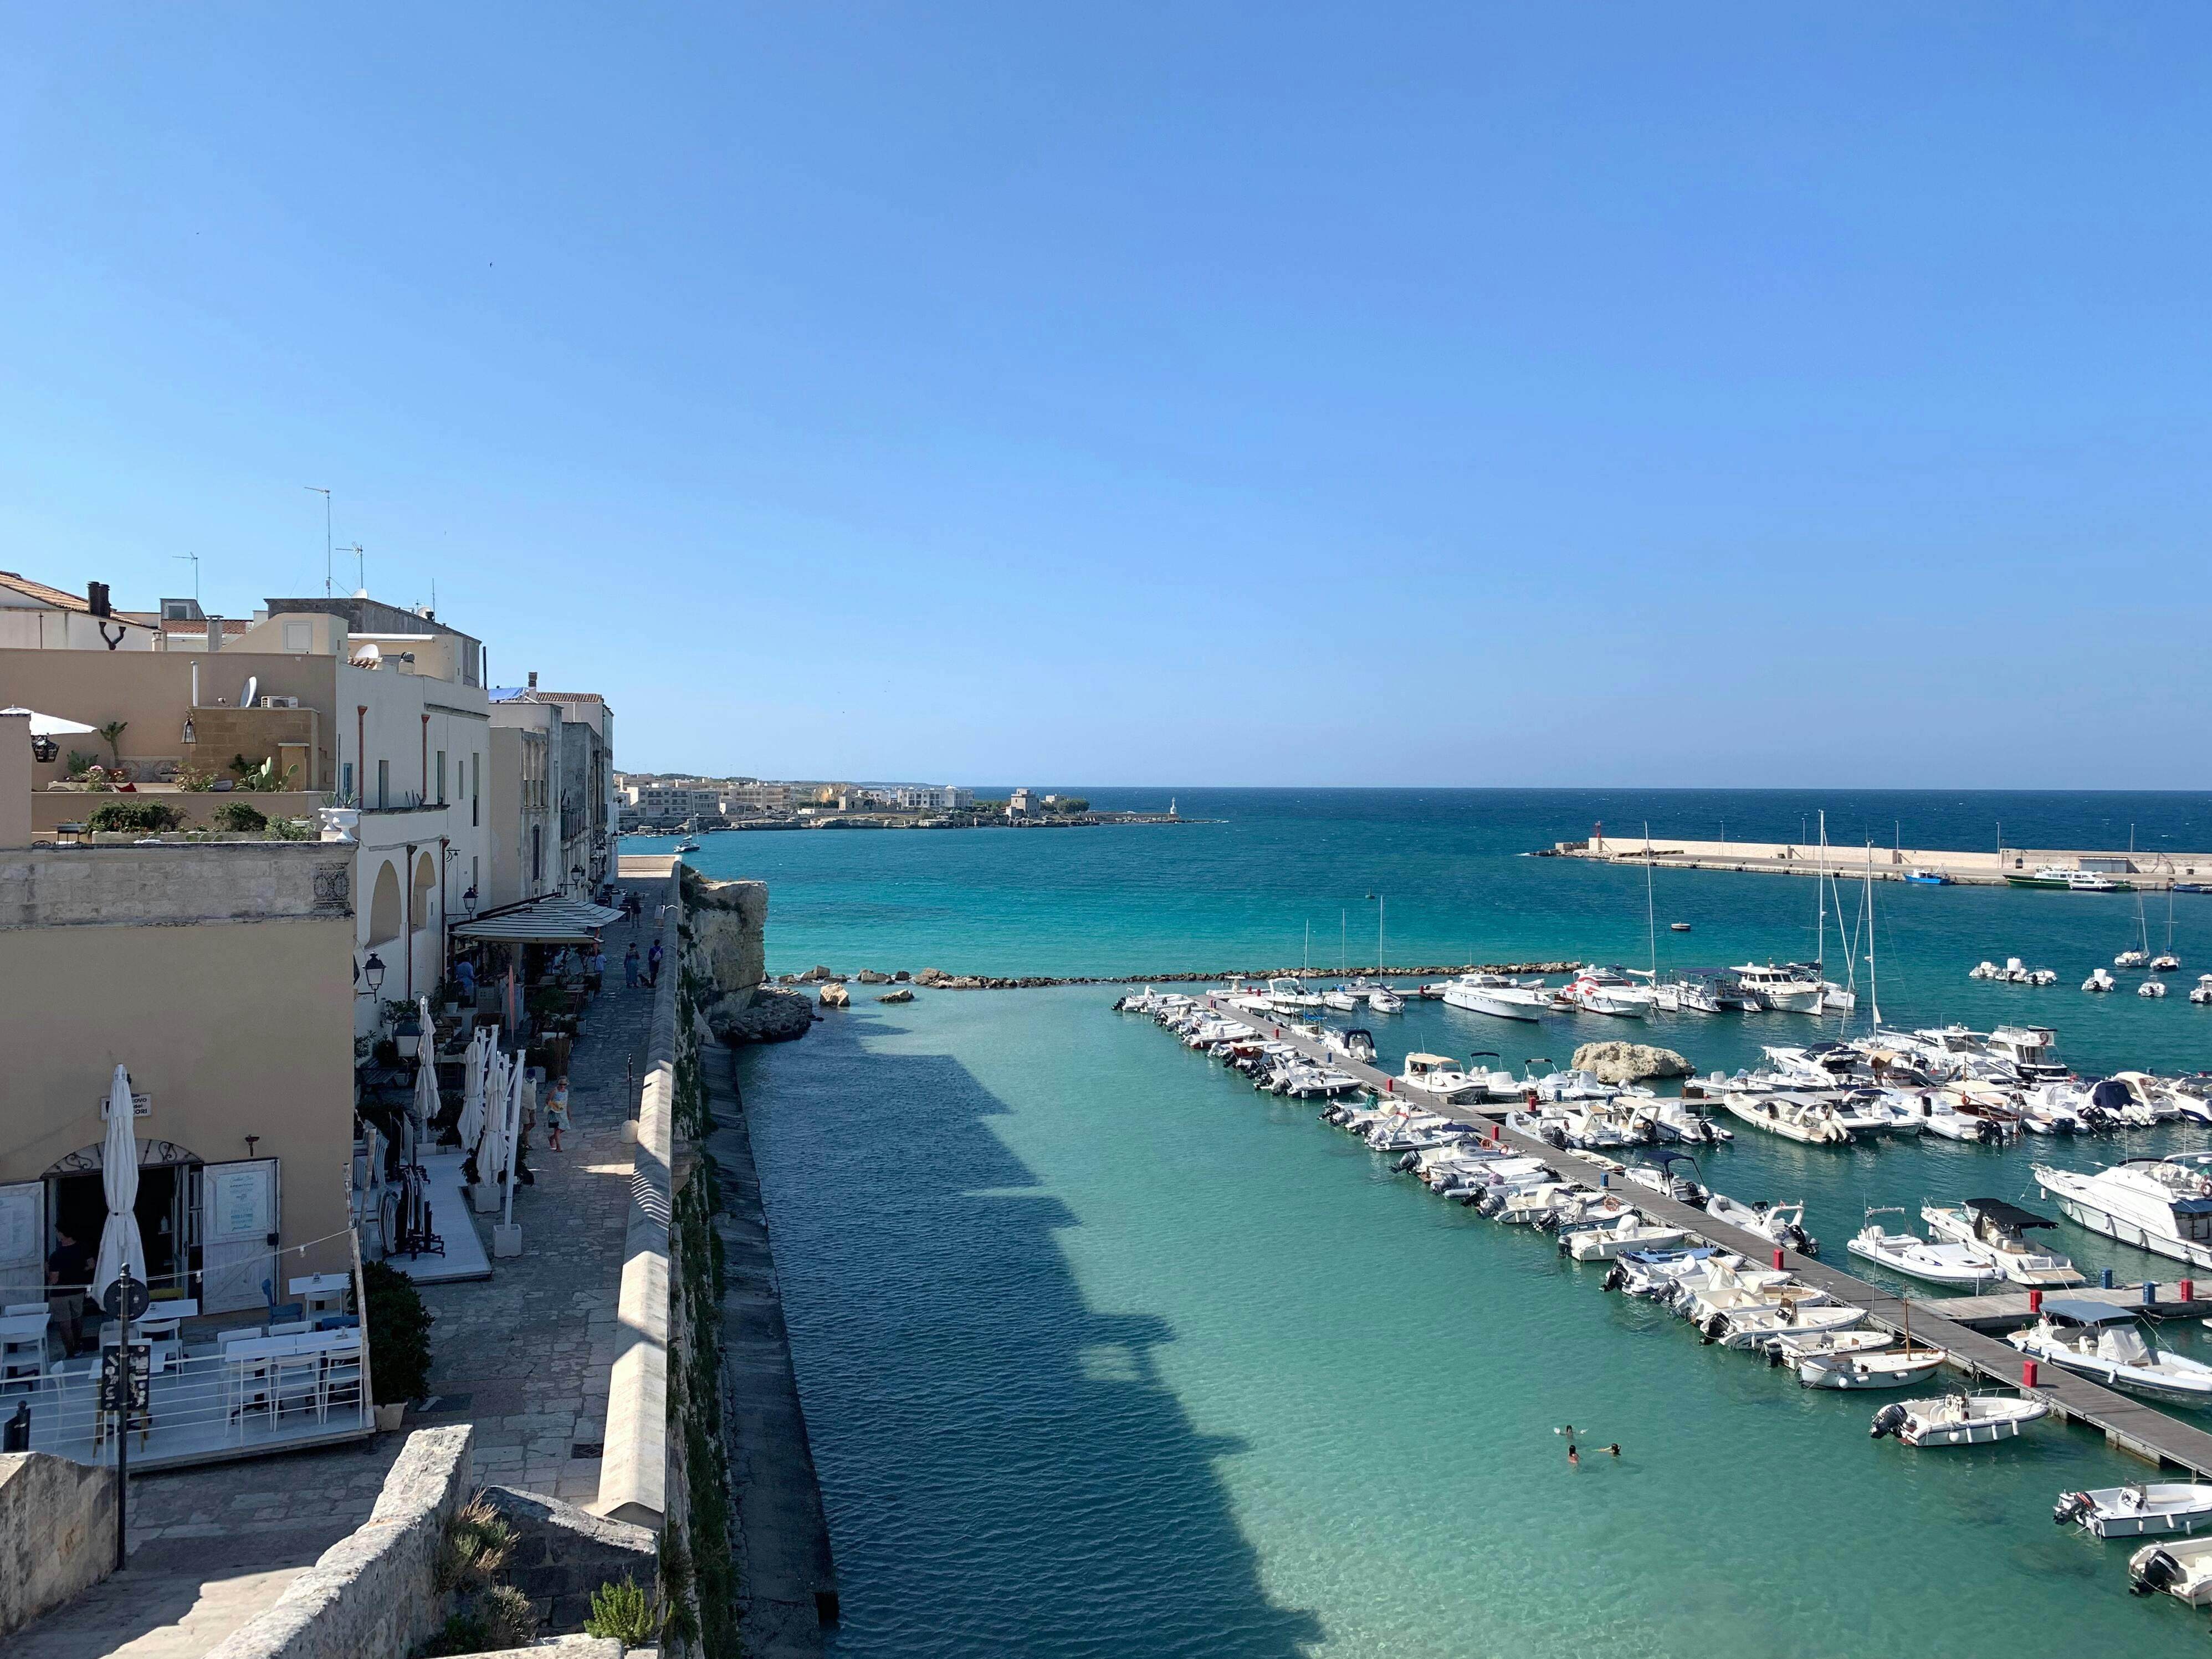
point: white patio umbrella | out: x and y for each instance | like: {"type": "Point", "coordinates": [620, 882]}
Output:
{"type": "Point", "coordinates": [514, 1131]}
{"type": "Point", "coordinates": [472, 1087]}
{"type": "Point", "coordinates": [51, 725]}
{"type": "Point", "coordinates": [491, 1149]}
{"type": "Point", "coordinates": [426, 1074]}
{"type": "Point", "coordinates": [119, 1243]}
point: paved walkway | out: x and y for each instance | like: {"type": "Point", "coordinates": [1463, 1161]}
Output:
{"type": "Point", "coordinates": [525, 1356]}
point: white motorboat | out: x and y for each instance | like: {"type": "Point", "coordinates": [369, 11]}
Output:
{"type": "Point", "coordinates": [1917, 1257]}
{"type": "Point", "coordinates": [1792, 1116]}
{"type": "Point", "coordinates": [1755, 1328]}
{"type": "Point", "coordinates": [1788, 989]}
{"type": "Point", "coordinates": [1671, 1175]}
{"type": "Point", "coordinates": [1604, 1243]}
{"type": "Point", "coordinates": [1440, 1075]}
{"type": "Point", "coordinates": [1340, 999]}
{"type": "Point", "coordinates": [1496, 996]}
{"type": "Point", "coordinates": [1796, 1350]}
{"type": "Point", "coordinates": [1384, 1000]}
{"type": "Point", "coordinates": [1653, 1272]}
{"type": "Point", "coordinates": [1607, 990]}
{"type": "Point", "coordinates": [2139, 1510]}
{"type": "Point", "coordinates": [2098, 979]}
{"type": "Point", "coordinates": [1779, 1224]}
{"type": "Point", "coordinates": [2151, 987]}
{"type": "Point", "coordinates": [2107, 1342]}
{"type": "Point", "coordinates": [1996, 1233]}
{"type": "Point", "coordinates": [2202, 996]}
{"type": "Point", "coordinates": [1957, 1418]}
{"type": "Point", "coordinates": [2159, 1205]}
{"type": "Point", "coordinates": [2182, 1570]}
{"type": "Point", "coordinates": [1356, 1044]}
{"type": "Point", "coordinates": [1686, 993]}
{"type": "Point", "coordinates": [1887, 1368]}
{"type": "Point", "coordinates": [2031, 1052]}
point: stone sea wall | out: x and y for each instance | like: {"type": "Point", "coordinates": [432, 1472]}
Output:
{"type": "Point", "coordinates": [937, 978]}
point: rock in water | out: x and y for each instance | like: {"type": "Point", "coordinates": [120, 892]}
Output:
{"type": "Point", "coordinates": [904, 994]}
{"type": "Point", "coordinates": [835, 996]}
{"type": "Point", "coordinates": [1629, 1062]}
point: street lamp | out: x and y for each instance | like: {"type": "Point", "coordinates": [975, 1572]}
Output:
{"type": "Point", "coordinates": [469, 903]}
{"type": "Point", "coordinates": [373, 971]}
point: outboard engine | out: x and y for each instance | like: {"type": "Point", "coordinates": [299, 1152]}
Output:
{"type": "Point", "coordinates": [1988, 1134]}
{"type": "Point", "coordinates": [1489, 1204]}
{"type": "Point", "coordinates": [1801, 1240]}
{"type": "Point", "coordinates": [1888, 1420]}
{"type": "Point", "coordinates": [2072, 1506]}
{"type": "Point", "coordinates": [1616, 1276]}
{"type": "Point", "coordinates": [1406, 1163]}
{"type": "Point", "coordinates": [1555, 1137]}
{"type": "Point", "coordinates": [1713, 1328]}
{"type": "Point", "coordinates": [2159, 1572]}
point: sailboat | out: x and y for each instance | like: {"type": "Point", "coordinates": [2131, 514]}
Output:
{"type": "Point", "coordinates": [1835, 998]}
{"type": "Point", "coordinates": [2165, 962]}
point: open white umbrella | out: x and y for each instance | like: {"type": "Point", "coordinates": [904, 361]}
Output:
{"type": "Point", "coordinates": [52, 726]}
{"type": "Point", "coordinates": [119, 1243]}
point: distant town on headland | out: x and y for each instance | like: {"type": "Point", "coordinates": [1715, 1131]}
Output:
{"type": "Point", "coordinates": [659, 803]}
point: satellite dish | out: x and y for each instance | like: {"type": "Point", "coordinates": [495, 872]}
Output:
{"type": "Point", "coordinates": [252, 685]}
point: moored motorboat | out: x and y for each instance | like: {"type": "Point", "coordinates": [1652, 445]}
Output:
{"type": "Point", "coordinates": [2159, 1205]}
{"type": "Point", "coordinates": [1917, 1257]}
{"type": "Point", "coordinates": [1996, 1233]}
{"type": "Point", "coordinates": [1604, 1243]}
{"type": "Point", "coordinates": [1957, 1418]}
{"type": "Point", "coordinates": [1496, 996]}
{"type": "Point", "coordinates": [1884, 1368]}
{"type": "Point", "coordinates": [2108, 1343]}
{"type": "Point", "coordinates": [2139, 1510]}
{"type": "Point", "coordinates": [1782, 1224]}
{"type": "Point", "coordinates": [2182, 1570]}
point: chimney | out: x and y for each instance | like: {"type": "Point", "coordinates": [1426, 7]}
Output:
{"type": "Point", "coordinates": [533, 679]}
{"type": "Point", "coordinates": [214, 633]}
{"type": "Point", "coordinates": [95, 595]}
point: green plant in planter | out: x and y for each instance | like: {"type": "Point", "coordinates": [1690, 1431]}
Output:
{"type": "Point", "coordinates": [398, 1333]}
{"type": "Point", "coordinates": [241, 816]}
{"type": "Point", "coordinates": [288, 829]}
{"type": "Point", "coordinates": [79, 763]}
{"type": "Point", "coordinates": [263, 779]}
{"type": "Point", "coordinates": [113, 731]}
{"type": "Point", "coordinates": [143, 818]}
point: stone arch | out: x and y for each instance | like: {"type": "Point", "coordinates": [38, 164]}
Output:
{"type": "Point", "coordinates": [152, 1155]}
{"type": "Point", "coordinates": [384, 919]}
{"type": "Point", "coordinates": [426, 884]}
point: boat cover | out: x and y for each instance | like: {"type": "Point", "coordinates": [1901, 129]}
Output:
{"type": "Point", "coordinates": [2007, 1215]}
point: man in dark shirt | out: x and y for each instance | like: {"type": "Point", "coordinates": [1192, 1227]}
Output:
{"type": "Point", "coordinates": [67, 1264]}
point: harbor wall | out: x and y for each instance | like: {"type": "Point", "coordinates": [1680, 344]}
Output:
{"type": "Point", "coordinates": [1987, 867]}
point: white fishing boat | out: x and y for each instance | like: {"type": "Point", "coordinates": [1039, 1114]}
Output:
{"type": "Point", "coordinates": [2159, 1205]}
{"type": "Point", "coordinates": [2098, 979]}
{"type": "Point", "coordinates": [1887, 1368]}
{"type": "Point", "coordinates": [1440, 1075]}
{"type": "Point", "coordinates": [2108, 1343]}
{"type": "Point", "coordinates": [1496, 996]}
{"type": "Point", "coordinates": [1779, 1224]}
{"type": "Point", "coordinates": [2141, 1509]}
{"type": "Point", "coordinates": [1957, 1418]}
{"type": "Point", "coordinates": [2182, 1570]}
{"type": "Point", "coordinates": [1916, 1258]}
{"type": "Point", "coordinates": [1787, 989]}
{"type": "Point", "coordinates": [1998, 1232]}
{"type": "Point", "coordinates": [1795, 1350]}
{"type": "Point", "coordinates": [1792, 1116]}
{"type": "Point", "coordinates": [1755, 1328]}
{"type": "Point", "coordinates": [1604, 1243]}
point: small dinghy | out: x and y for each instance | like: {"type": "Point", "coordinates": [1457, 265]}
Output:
{"type": "Point", "coordinates": [2141, 1509]}
{"type": "Point", "coordinates": [1957, 1418]}
{"type": "Point", "coordinates": [1885, 1368]}
{"type": "Point", "coordinates": [2183, 1571]}
{"type": "Point", "coordinates": [1604, 1243]}
{"type": "Point", "coordinates": [1917, 1257]}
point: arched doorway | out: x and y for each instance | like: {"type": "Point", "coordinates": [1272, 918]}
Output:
{"type": "Point", "coordinates": [426, 883]}
{"type": "Point", "coordinates": [384, 914]}
{"type": "Point", "coordinates": [167, 1207]}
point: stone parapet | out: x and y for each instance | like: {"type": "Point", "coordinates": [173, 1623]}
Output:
{"type": "Point", "coordinates": [57, 1532]}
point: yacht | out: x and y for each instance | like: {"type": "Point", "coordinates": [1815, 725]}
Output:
{"type": "Point", "coordinates": [1607, 990]}
{"type": "Point", "coordinates": [2107, 1343]}
{"type": "Point", "coordinates": [2163, 1204]}
{"type": "Point", "coordinates": [1916, 1258]}
{"type": "Point", "coordinates": [2140, 1508]}
{"type": "Point", "coordinates": [1957, 1418]}
{"type": "Point", "coordinates": [1384, 1000]}
{"type": "Point", "coordinates": [1497, 996]}
{"type": "Point", "coordinates": [1686, 993]}
{"type": "Point", "coordinates": [1995, 1232]}
{"type": "Point", "coordinates": [1790, 989]}
{"type": "Point", "coordinates": [2028, 1050]}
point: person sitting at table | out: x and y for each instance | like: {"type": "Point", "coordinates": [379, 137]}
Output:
{"type": "Point", "coordinates": [69, 1269]}
{"type": "Point", "coordinates": [465, 975]}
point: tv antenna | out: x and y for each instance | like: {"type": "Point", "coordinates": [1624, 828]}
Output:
{"type": "Point", "coordinates": [317, 489]}
{"type": "Point", "coordinates": [360, 582]}
{"type": "Point", "coordinates": [195, 558]}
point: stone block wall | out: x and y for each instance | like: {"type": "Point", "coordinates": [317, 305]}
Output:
{"type": "Point", "coordinates": [57, 1532]}
{"type": "Point", "coordinates": [562, 1553]}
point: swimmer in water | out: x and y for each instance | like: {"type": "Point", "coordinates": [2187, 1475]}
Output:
{"type": "Point", "coordinates": [1574, 1457]}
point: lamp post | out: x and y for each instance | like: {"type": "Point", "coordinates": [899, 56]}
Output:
{"type": "Point", "coordinates": [373, 971]}
{"type": "Point", "coordinates": [469, 903]}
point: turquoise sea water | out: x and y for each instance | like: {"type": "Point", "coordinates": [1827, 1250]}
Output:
{"type": "Point", "coordinates": [1103, 1353]}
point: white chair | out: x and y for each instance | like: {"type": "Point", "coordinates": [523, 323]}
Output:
{"type": "Point", "coordinates": [295, 1377]}
{"type": "Point", "coordinates": [23, 1310]}
{"type": "Point", "coordinates": [246, 1383]}
{"type": "Point", "coordinates": [341, 1372]}
{"type": "Point", "coordinates": [22, 1359]}
{"type": "Point", "coordinates": [292, 1327]}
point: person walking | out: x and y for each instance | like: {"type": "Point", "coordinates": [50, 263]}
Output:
{"type": "Point", "coordinates": [653, 965]}
{"type": "Point", "coordinates": [595, 968]}
{"type": "Point", "coordinates": [556, 1114]}
{"type": "Point", "coordinates": [630, 966]}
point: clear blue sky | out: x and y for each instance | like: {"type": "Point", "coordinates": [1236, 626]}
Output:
{"type": "Point", "coordinates": [1600, 394]}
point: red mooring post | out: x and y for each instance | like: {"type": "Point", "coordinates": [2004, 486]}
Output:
{"type": "Point", "coordinates": [2188, 1289]}
{"type": "Point", "coordinates": [1777, 1256]}
{"type": "Point", "coordinates": [2027, 1373]}
{"type": "Point", "coordinates": [2035, 1301]}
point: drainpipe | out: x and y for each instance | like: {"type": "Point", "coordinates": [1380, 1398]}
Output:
{"type": "Point", "coordinates": [360, 754]}
{"type": "Point", "coordinates": [426, 759]}
{"type": "Point", "coordinates": [445, 913]}
{"type": "Point", "coordinates": [407, 927]}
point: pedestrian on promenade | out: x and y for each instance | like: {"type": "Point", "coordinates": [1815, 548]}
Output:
{"type": "Point", "coordinates": [556, 1113]}
{"type": "Point", "coordinates": [630, 966]}
{"type": "Point", "coordinates": [595, 971]}
{"type": "Point", "coordinates": [653, 965]}
{"type": "Point", "coordinates": [68, 1264]}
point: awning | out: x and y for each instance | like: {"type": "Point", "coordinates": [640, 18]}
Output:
{"type": "Point", "coordinates": [550, 921]}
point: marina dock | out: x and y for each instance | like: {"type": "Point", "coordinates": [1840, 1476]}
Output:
{"type": "Point", "coordinates": [2128, 1424]}
{"type": "Point", "coordinates": [2152, 872]}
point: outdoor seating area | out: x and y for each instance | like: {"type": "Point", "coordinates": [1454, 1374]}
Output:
{"type": "Point", "coordinates": [217, 1388]}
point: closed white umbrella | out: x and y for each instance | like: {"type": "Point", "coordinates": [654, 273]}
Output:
{"type": "Point", "coordinates": [472, 1112]}
{"type": "Point", "coordinates": [119, 1243]}
{"type": "Point", "coordinates": [426, 1074]}
{"type": "Point", "coordinates": [491, 1151]}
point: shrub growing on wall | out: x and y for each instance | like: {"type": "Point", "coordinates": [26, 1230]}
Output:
{"type": "Point", "coordinates": [143, 818]}
{"type": "Point", "coordinates": [241, 816]}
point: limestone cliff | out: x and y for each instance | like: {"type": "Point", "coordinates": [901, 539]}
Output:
{"type": "Point", "coordinates": [725, 947]}
{"type": "Point", "coordinates": [1628, 1062]}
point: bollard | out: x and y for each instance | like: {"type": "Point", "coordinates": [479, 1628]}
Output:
{"type": "Point", "coordinates": [2150, 1293]}
{"type": "Point", "coordinates": [2034, 1301]}
{"type": "Point", "coordinates": [2105, 1280]}
{"type": "Point", "coordinates": [1777, 1256]}
{"type": "Point", "coordinates": [1390, 1085]}
{"type": "Point", "coordinates": [2027, 1373]}
{"type": "Point", "coordinates": [1604, 1179]}
{"type": "Point", "coordinates": [2188, 1289]}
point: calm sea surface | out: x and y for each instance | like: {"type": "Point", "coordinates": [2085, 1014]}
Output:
{"type": "Point", "coordinates": [1104, 1353]}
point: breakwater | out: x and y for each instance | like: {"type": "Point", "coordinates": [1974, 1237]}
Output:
{"type": "Point", "coordinates": [936, 979]}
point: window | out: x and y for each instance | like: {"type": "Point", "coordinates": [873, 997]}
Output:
{"type": "Point", "coordinates": [299, 637]}
{"type": "Point", "coordinates": [441, 777]}
{"type": "Point", "coordinates": [537, 863]}
{"type": "Point", "coordinates": [383, 785]}
{"type": "Point", "coordinates": [345, 784]}
{"type": "Point", "coordinates": [476, 785]}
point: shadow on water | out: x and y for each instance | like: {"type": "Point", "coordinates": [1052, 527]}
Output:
{"type": "Point", "coordinates": [1002, 1467]}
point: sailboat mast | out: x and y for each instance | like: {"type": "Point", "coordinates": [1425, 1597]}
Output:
{"type": "Point", "coordinates": [1874, 991]}
{"type": "Point", "coordinates": [1650, 915]}
{"type": "Point", "coordinates": [1820, 902]}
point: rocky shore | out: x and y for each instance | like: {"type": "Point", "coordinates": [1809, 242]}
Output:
{"type": "Point", "coordinates": [937, 978]}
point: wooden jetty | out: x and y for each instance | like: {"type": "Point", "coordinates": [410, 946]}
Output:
{"type": "Point", "coordinates": [2128, 1424]}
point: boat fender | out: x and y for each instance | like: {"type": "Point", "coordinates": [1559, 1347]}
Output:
{"type": "Point", "coordinates": [1888, 1420]}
